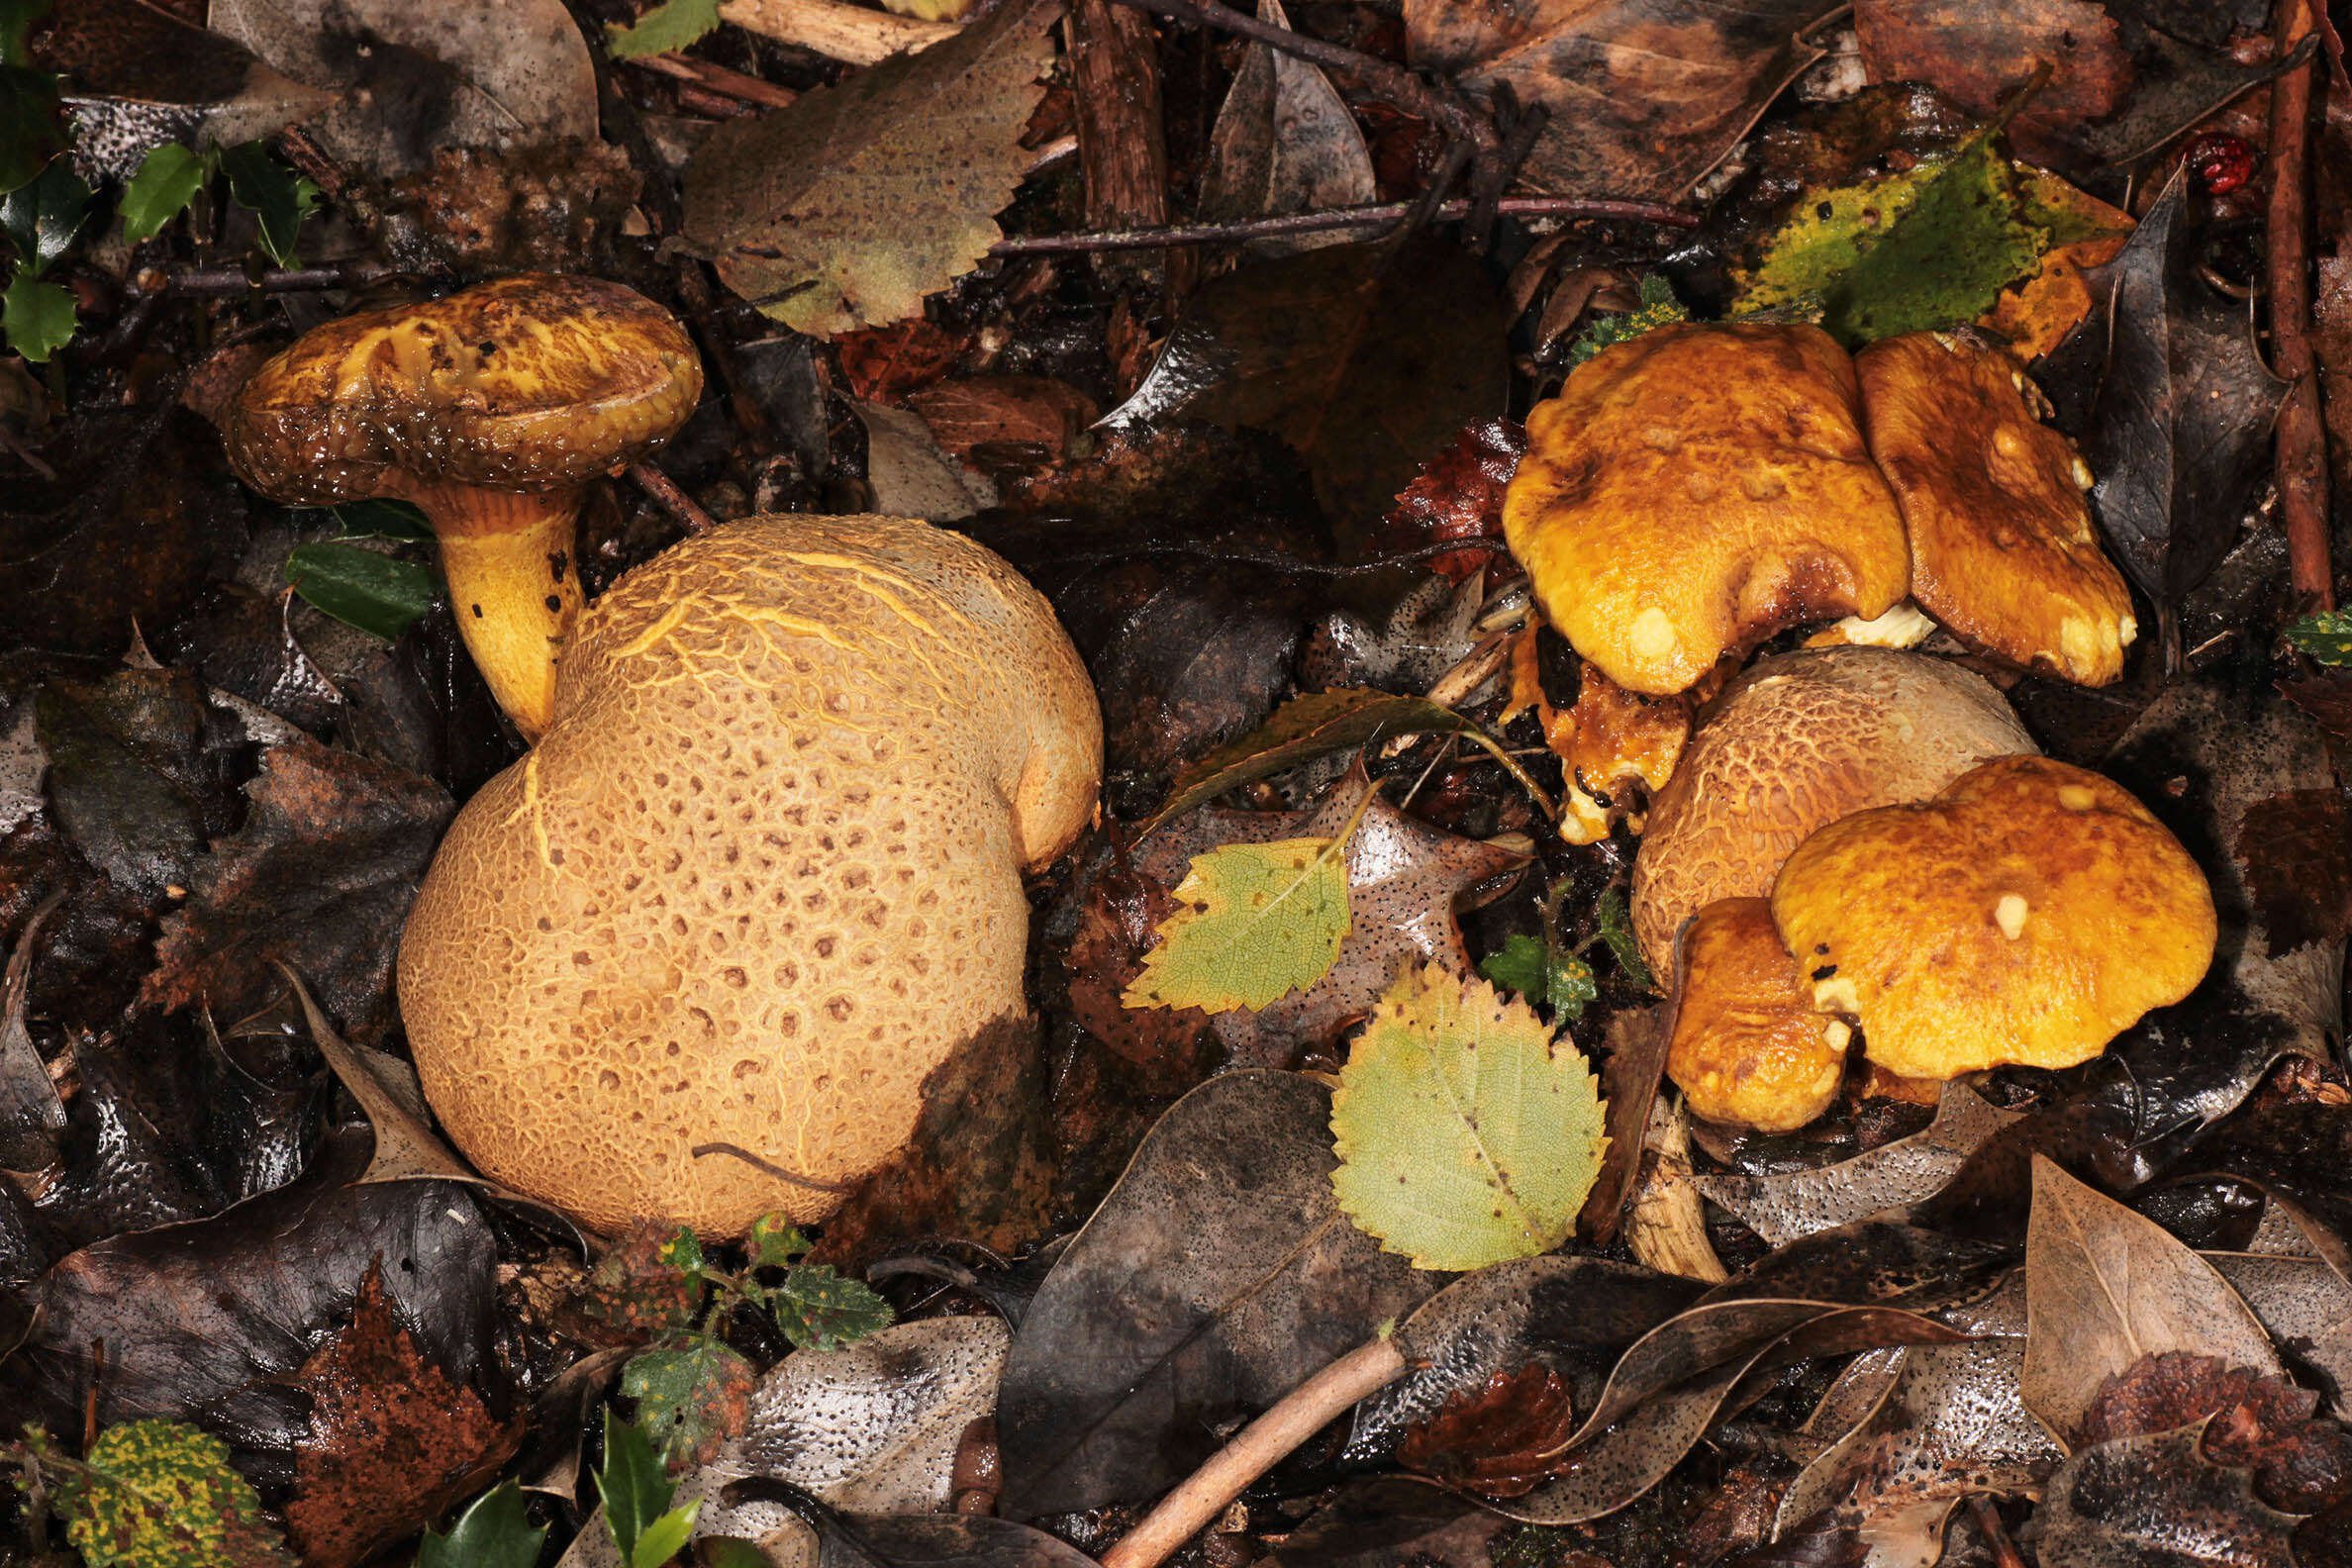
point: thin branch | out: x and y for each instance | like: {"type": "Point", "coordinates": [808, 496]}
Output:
{"type": "Point", "coordinates": [1392, 82]}
{"type": "Point", "coordinates": [1279, 561]}
{"type": "Point", "coordinates": [676, 502]}
{"type": "Point", "coordinates": [1262, 1444]}
{"type": "Point", "coordinates": [1377, 214]}
{"type": "Point", "coordinates": [2302, 449]}
{"type": "Point", "coordinates": [719, 79]}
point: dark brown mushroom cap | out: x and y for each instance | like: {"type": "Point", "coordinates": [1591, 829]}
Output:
{"type": "Point", "coordinates": [534, 383]}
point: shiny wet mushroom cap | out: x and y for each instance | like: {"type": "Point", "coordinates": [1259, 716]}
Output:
{"type": "Point", "coordinates": [1696, 489]}
{"type": "Point", "coordinates": [492, 409]}
{"type": "Point", "coordinates": [2027, 914]}
{"type": "Point", "coordinates": [2002, 547]}
{"type": "Point", "coordinates": [1748, 1048]}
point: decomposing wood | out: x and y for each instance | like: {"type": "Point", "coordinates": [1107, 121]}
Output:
{"type": "Point", "coordinates": [1376, 215]}
{"type": "Point", "coordinates": [1116, 88]}
{"type": "Point", "coordinates": [2301, 450]}
{"type": "Point", "coordinates": [854, 34]}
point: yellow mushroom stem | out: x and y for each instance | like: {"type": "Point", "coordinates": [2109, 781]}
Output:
{"type": "Point", "coordinates": [512, 585]}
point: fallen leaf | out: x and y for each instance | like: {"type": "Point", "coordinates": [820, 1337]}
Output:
{"type": "Point", "coordinates": [1217, 1276]}
{"type": "Point", "coordinates": [909, 473]}
{"type": "Point", "coordinates": [846, 209]}
{"type": "Point", "coordinates": [2258, 1422]}
{"type": "Point", "coordinates": [2106, 1287]}
{"type": "Point", "coordinates": [1490, 1442]}
{"type": "Point", "coordinates": [318, 879]}
{"type": "Point", "coordinates": [393, 1440]}
{"type": "Point", "coordinates": [159, 1494]}
{"type": "Point", "coordinates": [969, 414]}
{"type": "Point", "coordinates": [2305, 1305]}
{"type": "Point", "coordinates": [1977, 57]}
{"type": "Point", "coordinates": [1253, 922]}
{"type": "Point", "coordinates": [2296, 851]}
{"type": "Point", "coordinates": [1284, 143]}
{"type": "Point", "coordinates": [2295, 1152]}
{"type": "Point", "coordinates": [2157, 1499]}
{"type": "Point", "coordinates": [1122, 910]}
{"type": "Point", "coordinates": [1367, 359]}
{"type": "Point", "coordinates": [883, 363]}
{"type": "Point", "coordinates": [1467, 1134]}
{"type": "Point", "coordinates": [691, 1398]}
{"type": "Point", "coordinates": [1458, 492]}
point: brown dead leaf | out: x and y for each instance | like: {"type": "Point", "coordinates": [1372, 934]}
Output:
{"type": "Point", "coordinates": [1645, 95]}
{"type": "Point", "coordinates": [2296, 851]}
{"type": "Point", "coordinates": [1124, 910]}
{"type": "Point", "coordinates": [846, 209]}
{"type": "Point", "coordinates": [2326, 695]}
{"type": "Point", "coordinates": [969, 413]}
{"type": "Point", "coordinates": [884, 364]}
{"type": "Point", "coordinates": [1976, 53]}
{"type": "Point", "coordinates": [1502, 1440]}
{"type": "Point", "coordinates": [393, 1441]}
{"type": "Point", "coordinates": [2260, 1424]}
{"type": "Point", "coordinates": [1458, 493]}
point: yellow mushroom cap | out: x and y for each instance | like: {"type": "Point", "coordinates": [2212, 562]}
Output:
{"type": "Point", "coordinates": [1748, 1049]}
{"type": "Point", "coordinates": [1696, 489]}
{"type": "Point", "coordinates": [2028, 914]}
{"type": "Point", "coordinates": [1798, 742]}
{"type": "Point", "coordinates": [528, 383]}
{"type": "Point", "coordinates": [2002, 547]}
{"type": "Point", "coordinates": [759, 877]}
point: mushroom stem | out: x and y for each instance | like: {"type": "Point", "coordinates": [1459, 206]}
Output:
{"type": "Point", "coordinates": [508, 557]}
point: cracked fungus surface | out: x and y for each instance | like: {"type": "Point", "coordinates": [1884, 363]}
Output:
{"type": "Point", "coordinates": [2028, 914]}
{"type": "Point", "coordinates": [1799, 741]}
{"type": "Point", "coordinates": [760, 877]}
{"type": "Point", "coordinates": [533, 382]}
{"type": "Point", "coordinates": [1696, 489]}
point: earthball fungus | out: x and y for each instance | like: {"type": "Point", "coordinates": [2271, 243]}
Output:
{"type": "Point", "coordinates": [2027, 914]}
{"type": "Point", "coordinates": [760, 875]}
{"type": "Point", "coordinates": [1696, 489]}
{"type": "Point", "coordinates": [1795, 743]}
{"type": "Point", "coordinates": [491, 410]}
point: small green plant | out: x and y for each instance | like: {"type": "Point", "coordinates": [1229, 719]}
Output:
{"type": "Point", "coordinates": [637, 1491]}
{"type": "Point", "coordinates": [494, 1531]}
{"type": "Point", "coordinates": [2326, 638]}
{"type": "Point", "coordinates": [670, 25]}
{"type": "Point", "coordinates": [1658, 308]}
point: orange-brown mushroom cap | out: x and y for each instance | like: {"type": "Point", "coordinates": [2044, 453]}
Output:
{"type": "Point", "coordinates": [1748, 1049]}
{"type": "Point", "coordinates": [1696, 489]}
{"type": "Point", "coordinates": [2002, 548]}
{"type": "Point", "coordinates": [528, 383]}
{"type": "Point", "coordinates": [1798, 742]}
{"type": "Point", "coordinates": [2028, 914]}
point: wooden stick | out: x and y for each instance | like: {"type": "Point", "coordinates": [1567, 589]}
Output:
{"type": "Point", "coordinates": [719, 79]}
{"type": "Point", "coordinates": [1373, 216]}
{"type": "Point", "coordinates": [850, 32]}
{"type": "Point", "coordinates": [2302, 449]}
{"type": "Point", "coordinates": [676, 502]}
{"type": "Point", "coordinates": [1259, 1447]}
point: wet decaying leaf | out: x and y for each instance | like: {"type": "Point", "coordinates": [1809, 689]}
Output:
{"type": "Point", "coordinates": [1491, 1443]}
{"type": "Point", "coordinates": [392, 1443]}
{"type": "Point", "coordinates": [1459, 492]}
{"type": "Point", "coordinates": [2295, 1152]}
{"type": "Point", "coordinates": [2105, 1288]}
{"type": "Point", "coordinates": [2158, 1499]}
{"type": "Point", "coordinates": [2262, 1423]}
{"type": "Point", "coordinates": [1284, 142]}
{"type": "Point", "coordinates": [1366, 359]}
{"type": "Point", "coordinates": [319, 879]}
{"type": "Point", "coordinates": [1217, 1276]}
{"type": "Point", "coordinates": [844, 210]}
{"type": "Point", "coordinates": [2308, 1307]}
{"type": "Point", "coordinates": [1645, 95]}
{"type": "Point", "coordinates": [2296, 847]}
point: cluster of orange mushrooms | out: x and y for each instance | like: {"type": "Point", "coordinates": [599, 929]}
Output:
{"type": "Point", "coordinates": [1857, 837]}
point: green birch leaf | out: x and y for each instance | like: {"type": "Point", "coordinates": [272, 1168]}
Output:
{"type": "Point", "coordinates": [671, 25]}
{"type": "Point", "coordinates": [157, 1494]}
{"type": "Point", "coordinates": [378, 594]}
{"type": "Point", "coordinates": [169, 178]}
{"type": "Point", "coordinates": [381, 518]}
{"type": "Point", "coordinates": [819, 1310]}
{"type": "Point", "coordinates": [1467, 1134]}
{"type": "Point", "coordinates": [1253, 922]}
{"type": "Point", "coordinates": [37, 316]}
{"type": "Point", "coordinates": [278, 195]}
{"type": "Point", "coordinates": [2326, 636]}
{"type": "Point", "coordinates": [494, 1531]}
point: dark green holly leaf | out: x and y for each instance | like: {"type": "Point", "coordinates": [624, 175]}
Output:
{"type": "Point", "coordinates": [390, 519]}
{"type": "Point", "coordinates": [2326, 636]}
{"type": "Point", "coordinates": [818, 1309]}
{"type": "Point", "coordinates": [690, 1398]}
{"type": "Point", "coordinates": [494, 1531]}
{"type": "Point", "coordinates": [775, 1241]}
{"type": "Point", "coordinates": [167, 181]}
{"type": "Point", "coordinates": [37, 316]}
{"type": "Point", "coordinates": [637, 1493]}
{"type": "Point", "coordinates": [376, 593]}
{"type": "Point", "coordinates": [1616, 930]}
{"type": "Point", "coordinates": [41, 219]}
{"type": "Point", "coordinates": [273, 192]}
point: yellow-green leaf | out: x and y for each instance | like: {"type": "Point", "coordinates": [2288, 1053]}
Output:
{"type": "Point", "coordinates": [671, 25]}
{"type": "Point", "coordinates": [1255, 920]}
{"type": "Point", "coordinates": [1467, 1134]}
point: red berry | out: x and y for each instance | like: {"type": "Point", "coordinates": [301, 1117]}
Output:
{"type": "Point", "coordinates": [2220, 163]}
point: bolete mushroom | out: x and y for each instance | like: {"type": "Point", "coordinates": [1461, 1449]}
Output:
{"type": "Point", "coordinates": [2027, 914]}
{"type": "Point", "coordinates": [1795, 743]}
{"type": "Point", "coordinates": [1696, 489]}
{"type": "Point", "coordinates": [2002, 544]}
{"type": "Point", "coordinates": [1748, 1049]}
{"type": "Point", "coordinates": [492, 411]}
{"type": "Point", "coordinates": [761, 874]}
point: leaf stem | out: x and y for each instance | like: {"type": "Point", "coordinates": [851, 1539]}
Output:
{"type": "Point", "coordinates": [1262, 1444]}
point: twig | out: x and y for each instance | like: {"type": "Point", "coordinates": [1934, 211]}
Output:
{"type": "Point", "coordinates": [1499, 171]}
{"type": "Point", "coordinates": [2301, 450]}
{"type": "Point", "coordinates": [676, 502]}
{"type": "Point", "coordinates": [231, 283]}
{"type": "Point", "coordinates": [719, 79]}
{"type": "Point", "coordinates": [1280, 562]}
{"type": "Point", "coordinates": [1996, 1539]}
{"type": "Point", "coordinates": [1392, 82]}
{"type": "Point", "coordinates": [854, 34]}
{"type": "Point", "coordinates": [1373, 216]}
{"type": "Point", "coordinates": [1262, 1444]}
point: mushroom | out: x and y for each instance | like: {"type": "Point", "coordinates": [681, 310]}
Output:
{"type": "Point", "coordinates": [1694, 490]}
{"type": "Point", "coordinates": [760, 875]}
{"type": "Point", "coordinates": [2003, 550]}
{"type": "Point", "coordinates": [1748, 1049]}
{"type": "Point", "coordinates": [1795, 743]}
{"type": "Point", "coordinates": [2028, 914]}
{"type": "Point", "coordinates": [492, 409]}
{"type": "Point", "coordinates": [1607, 740]}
